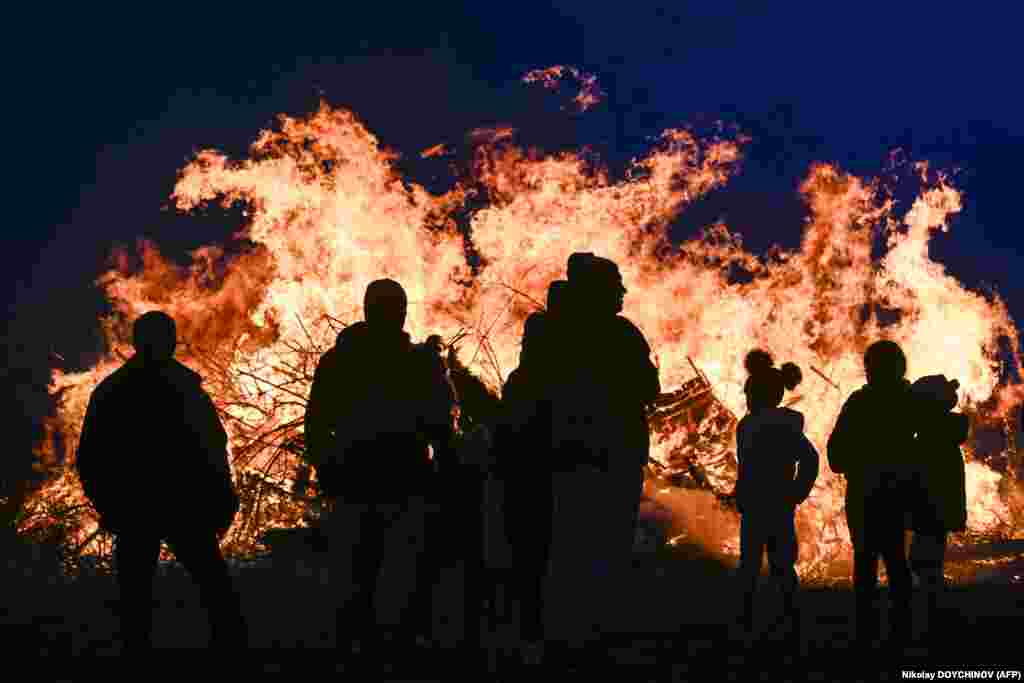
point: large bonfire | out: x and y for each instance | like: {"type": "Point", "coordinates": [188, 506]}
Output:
{"type": "Point", "coordinates": [327, 211]}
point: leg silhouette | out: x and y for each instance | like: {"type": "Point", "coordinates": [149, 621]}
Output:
{"type": "Point", "coordinates": [927, 553]}
{"type": "Point", "coordinates": [894, 555]}
{"type": "Point", "coordinates": [355, 563]}
{"type": "Point", "coordinates": [135, 556]}
{"type": "Point", "coordinates": [200, 554]}
{"type": "Point", "coordinates": [752, 547]}
{"type": "Point", "coordinates": [782, 557]}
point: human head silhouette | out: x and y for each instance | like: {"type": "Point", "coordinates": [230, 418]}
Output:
{"type": "Point", "coordinates": [935, 393]}
{"type": "Point", "coordinates": [885, 363]}
{"type": "Point", "coordinates": [155, 336]}
{"type": "Point", "coordinates": [596, 283]}
{"type": "Point", "coordinates": [578, 264]}
{"type": "Point", "coordinates": [558, 297]}
{"type": "Point", "coordinates": [767, 384]}
{"type": "Point", "coordinates": [384, 305]}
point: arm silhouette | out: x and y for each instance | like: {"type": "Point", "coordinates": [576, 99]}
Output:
{"type": "Point", "coordinates": [317, 427]}
{"type": "Point", "coordinates": [841, 445]}
{"type": "Point", "coordinates": [958, 426]}
{"type": "Point", "coordinates": [807, 469]}
{"type": "Point", "coordinates": [742, 453]}
{"type": "Point", "coordinates": [643, 372]}
{"type": "Point", "coordinates": [86, 455]}
{"type": "Point", "coordinates": [211, 432]}
{"type": "Point", "coordinates": [436, 422]}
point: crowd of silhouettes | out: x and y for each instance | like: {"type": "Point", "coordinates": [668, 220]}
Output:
{"type": "Point", "coordinates": [381, 431]}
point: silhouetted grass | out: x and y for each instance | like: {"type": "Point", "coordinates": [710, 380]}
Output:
{"type": "Point", "coordinates": [676, 614]}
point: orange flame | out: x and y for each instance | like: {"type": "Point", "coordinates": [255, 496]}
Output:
{"type": "Point", "coordinates": [329, 213]}
{"type": "Point", "coordinates": [590, 93]}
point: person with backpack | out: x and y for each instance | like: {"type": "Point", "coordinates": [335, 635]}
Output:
{"type": "Point", "coordinates": [940, 506]}
{"type": "Point", "coordinates": [152, 459]}
{"type": "Point", "coordinates": [872, 445]}
{"type": "Point", "coordinates": [778, 466]}
{"type": "Point", "coordinates": [377, 405]}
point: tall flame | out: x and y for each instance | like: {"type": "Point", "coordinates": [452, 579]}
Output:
{"type": "Point", "coordinates": [328, 212]}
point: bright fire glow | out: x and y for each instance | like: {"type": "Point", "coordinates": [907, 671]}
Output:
{"type": "Point", "coordinates": [328, 213]}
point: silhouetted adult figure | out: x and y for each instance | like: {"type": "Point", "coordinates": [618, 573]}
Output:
{"type": "Point", "coordinates": [602, 383]}
{"type": "Point", "coordinates": [778, 466]}
{"type": "Point", "coordinates": [377, 404]}
{"type": "Point", "coordinates": [152, 459]}
{"type": "Point", "coordinates": [940, 506]}
{"type": "Point", "coordinates": [873, 445]}
{"type": "Point", "coordinates": [525, 459]}
{"type": "Point", "coordinates": [455, 533]}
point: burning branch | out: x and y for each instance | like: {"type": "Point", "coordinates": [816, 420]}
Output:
{"type": "Point", "coordinates": [255, 343]}
{"type": "Point", "coordinates": [523, 294]}
{"type": "Point", "coordinates": [820, 374]}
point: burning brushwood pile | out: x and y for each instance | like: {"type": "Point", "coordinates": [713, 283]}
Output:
{"type": "Point", "coordinates": [696, 435]}
{"type": "Point", "coordinates": [328, 210]}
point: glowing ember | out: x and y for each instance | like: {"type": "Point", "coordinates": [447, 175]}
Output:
{"type": "Point", "coordinates": [697, 436]}
{"type": "Point", "coordinates": [589, 94]}
{"type": "Point", "coordinates": [987, 512]}
{"type": "Point", "coordinates": [328, 213]}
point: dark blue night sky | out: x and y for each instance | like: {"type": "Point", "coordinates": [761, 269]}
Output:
{"type": "Point", "coordinates": [114, 104]}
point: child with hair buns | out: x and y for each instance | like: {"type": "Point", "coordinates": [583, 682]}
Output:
{"type": "Point", "coordinates": [778, 466]}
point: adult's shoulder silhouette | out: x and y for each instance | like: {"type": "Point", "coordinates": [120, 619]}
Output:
{"type": "Point", "coordinates": [874, 431]}
{"type": "Point", "coordinates": [153, 415]}
{"type": "Point", "coordinates": [376, 398]}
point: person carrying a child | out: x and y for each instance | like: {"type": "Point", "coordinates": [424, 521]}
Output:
{"type": "Point", "coordinates": [778, 466]}
{"type": "Point", "coordinates": [941, 503]}
{"type": "Point", "coordinates": [873, 446]}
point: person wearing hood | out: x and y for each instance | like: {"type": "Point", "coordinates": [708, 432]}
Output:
{"type": "Point", "coordinates": [152, 415]}
{"type": "Point", "coordinates": [941, 503]}
{"type": "Point", "coordinates": [377, 405]}
{"type": "Point", "coordinates": [778, 466]}
{"type": "Point", "coordinates": [873, 446]}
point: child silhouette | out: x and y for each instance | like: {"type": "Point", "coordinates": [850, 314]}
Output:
{"type": "Point", "coordinates": [941, 497]}
{"type": "Point", "coordinates": [778, 466]}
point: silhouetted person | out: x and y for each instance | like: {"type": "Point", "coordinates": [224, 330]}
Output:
{"type": "Point", "coordinates": [525, 460]}
{"type": "Point", "coordinates": [941, 503]}
{"type": "Point", "coordinates": [377, 403]}
{"type": "Point", "coordinates": [455, 530]}
{"type": "Point", "coordinates": [872, 445]}
{"type": "Point", "coordinates": [152, 459]}
{"type": "Point", "coordinates": [602, 383]}
{"type": "Point", "coordinates": [777, 470]}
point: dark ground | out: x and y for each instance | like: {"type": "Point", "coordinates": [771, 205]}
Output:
{"type": "Point", "coordinates": [674, 623]}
